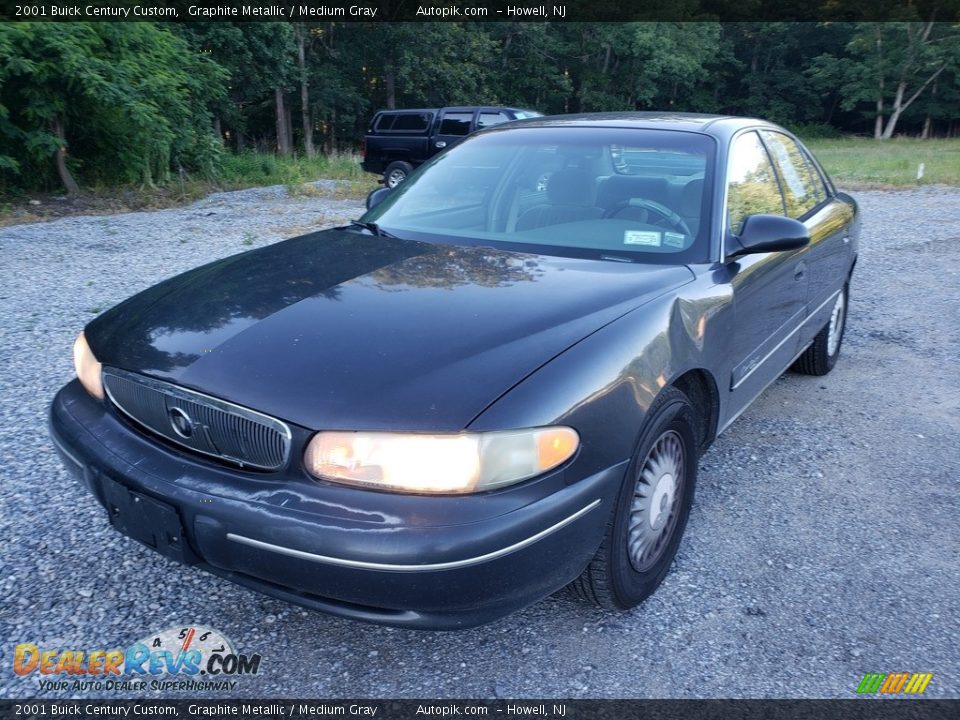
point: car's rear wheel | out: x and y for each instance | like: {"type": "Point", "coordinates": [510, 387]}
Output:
{"type": "Point", "coordinates": [821, 356]}
{"type": "Point", "coordinates": [396, 173]}
{"type": "Point", "coordinates": [653, 505]}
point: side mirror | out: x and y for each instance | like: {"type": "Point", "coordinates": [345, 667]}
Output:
{"type": "Point", "coordinates": [768, 233]}
{"type": "Point", "coordinates": [377, 196]}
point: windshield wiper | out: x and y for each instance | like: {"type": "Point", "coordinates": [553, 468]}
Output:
{"type": "Point", "coordinates": [372, 227]}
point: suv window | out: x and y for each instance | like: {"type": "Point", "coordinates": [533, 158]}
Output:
{"type": "Point", "coordinates": [412, 121]}
{"type": "Point", "coordinates": [751, 183]}
{"type": "Point", "coordinates": [456, 123]}
{"type": "Point", "coordinates": [403, 122]}
{"type": "Point", "coordinates": [384, 122]}
{"type": "Point", "coordinates": [803, 189]}
{"type": "Point", "coordinates": [486, 119]}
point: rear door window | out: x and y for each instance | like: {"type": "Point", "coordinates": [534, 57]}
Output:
{"type": "Point", "coordinates": [412, 122]}
{"type": "Point", "coordinates": [456, 123]}
{"type": "Point", "coordinates": [384, 122]}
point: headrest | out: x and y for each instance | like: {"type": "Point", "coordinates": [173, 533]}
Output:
{"type": "Point", "coordinates": [620, 188]}
{"type": "Point", "coordinates": [570, 187]}
{"type": "Point", "coordinates": [691, 198]}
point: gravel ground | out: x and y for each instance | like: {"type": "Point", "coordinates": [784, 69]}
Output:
{"type": "Point", "coordinates": [823, 544]}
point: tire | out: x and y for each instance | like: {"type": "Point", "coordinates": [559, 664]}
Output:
{"type": "Point", "coordinates": [621, 575]}
{"type": "Point", "coordinates": [821, 356]}
{"type": "Point", "coordinates": [396, 173]}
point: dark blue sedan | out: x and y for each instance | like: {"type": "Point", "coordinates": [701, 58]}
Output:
{"type": "Point", "coordinates": [497, 383]}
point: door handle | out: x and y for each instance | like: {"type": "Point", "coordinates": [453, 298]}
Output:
{"type": "Point", "coordinates": [800, 271]}
{"type": "Point", "coordinates": [440, 144]}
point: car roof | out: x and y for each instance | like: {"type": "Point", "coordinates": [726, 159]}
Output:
{"type": "Point", "coordinates": [456, 108]}
{"type": "Point", "coordinates": [721, 126]}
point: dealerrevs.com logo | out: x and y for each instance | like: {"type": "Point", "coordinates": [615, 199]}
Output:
{"type": "Point", "coordinates": [894, 683]}
{"type": "Point", "coordinates": [188, 658]}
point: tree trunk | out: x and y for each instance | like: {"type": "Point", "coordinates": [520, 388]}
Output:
{"type": "Point", "coordinates": [928, 120]}
{"type": "Point", "coordinates": [283, 139]}
{"type": "Point", "coordinates": [878, 122]}
{"type": "Point", "coordinates": [833, 108]}
{"type": "Point", "coordinates": [898, 108]}
{"type": "Point", "coordinates": [899, 104]}
{"type": "Point", "coordinates": [61, 156]}
{"type": "Point", "coordinates": [304, 93]}
{"type": "Point", "coordinates": [289, 116]}
{"type": "Point", "coordinates": [389, 81]}
{"type": "Point", "coordinates": [218, 128]}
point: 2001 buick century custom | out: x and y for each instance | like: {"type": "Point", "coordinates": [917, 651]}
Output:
{"type": "Point", "coordinates": [495, 384]}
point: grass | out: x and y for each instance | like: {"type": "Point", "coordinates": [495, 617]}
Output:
{"type": "Point", "coordinates": [251, 169]}
{"type": "Point", "coordinates": [865, 162]}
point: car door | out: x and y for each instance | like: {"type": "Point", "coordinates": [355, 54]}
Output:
{"type": "Point", "coordinates": [454, 126]}
{"type": "Point", "coordinates": [769, 289]}
{"type": "Point", "coordinates": [827, 217]}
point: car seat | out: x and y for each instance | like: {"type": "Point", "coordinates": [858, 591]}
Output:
{"type": "Point", "coordinates": [569, 199]}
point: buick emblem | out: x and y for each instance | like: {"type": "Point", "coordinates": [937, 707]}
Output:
{"type": "Point", "coordinates": [181, 423]}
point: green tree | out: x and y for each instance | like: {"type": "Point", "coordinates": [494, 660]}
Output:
{"type": "Point", "coordinates": [259, 58]}
{"type": "Point", "coordinates": [124, 101]}
{"type": "Point", "coordinates": [889, 67]}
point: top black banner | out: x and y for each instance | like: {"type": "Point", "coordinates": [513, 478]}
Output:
{"type": "Point", "coordinates": [483, 10]}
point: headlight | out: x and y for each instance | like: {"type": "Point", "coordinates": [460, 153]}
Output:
{"type": "Point", "coordinates": [460, 463]}
{"type": "Point", "coordinates": [88, 369]}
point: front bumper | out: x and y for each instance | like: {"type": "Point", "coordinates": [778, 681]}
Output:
{"type": "Point", "coordinates": [423, 562]}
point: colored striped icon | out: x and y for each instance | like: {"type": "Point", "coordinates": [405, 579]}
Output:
{"type": "Point", "coordinates": [894, 683]}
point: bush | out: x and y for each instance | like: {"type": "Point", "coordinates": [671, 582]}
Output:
{"type": "Point", "coordinates": [815, 131]}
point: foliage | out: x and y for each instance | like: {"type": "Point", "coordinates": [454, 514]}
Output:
{"type": "Point", "coordinates": [140, 103]}
{"type": "Point", "coordinates": [129, 100]}
{"type": "Point", "coordinates": [251, 169]}
{"type": "Point", "coordinates": [886, 67]}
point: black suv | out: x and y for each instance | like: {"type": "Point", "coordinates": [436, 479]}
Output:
{"type": "Point", "coordinates": [397, 141]}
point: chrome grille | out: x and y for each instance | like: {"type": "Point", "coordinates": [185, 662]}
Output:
{"type": "Point", "coordinates": [199, 422]}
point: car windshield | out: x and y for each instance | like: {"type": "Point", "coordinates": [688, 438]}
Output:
{"type": "Point", "coordinates": [607, 193]}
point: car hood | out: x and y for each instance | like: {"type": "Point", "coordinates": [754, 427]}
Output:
{"type": "Point", "coordinates": [342, 330]}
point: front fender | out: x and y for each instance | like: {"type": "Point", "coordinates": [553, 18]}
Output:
{"type": "Point", "coordinates": [604, 385]}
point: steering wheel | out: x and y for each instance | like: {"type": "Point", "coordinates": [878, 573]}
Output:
{"type": "Point", "coordinates": [675, 221]}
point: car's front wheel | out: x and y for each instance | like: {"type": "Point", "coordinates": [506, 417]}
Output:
{"type": "Point", "coordinates": [821, 356]}
{"type": "Point", "coordinates": [645, 529]}
{"type": "Point", "coordinates": [396, 173]}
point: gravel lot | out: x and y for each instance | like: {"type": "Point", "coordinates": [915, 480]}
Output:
{"type": "Point", "coordinates": [824, 543]}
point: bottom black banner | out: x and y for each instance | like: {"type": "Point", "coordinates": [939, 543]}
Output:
{"type": "Point", "coordinates": [854, 709]}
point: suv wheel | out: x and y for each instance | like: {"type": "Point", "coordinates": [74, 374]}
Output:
{"type": "Point", "coordinates": [396, 173]}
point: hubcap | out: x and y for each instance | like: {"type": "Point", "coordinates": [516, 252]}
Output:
{"type": "Point", "coordinates": [656, 501]}
{"type": "Point", "coordinates": [395, 178]}
{"type": "Point", "coordinates": [836, 324]}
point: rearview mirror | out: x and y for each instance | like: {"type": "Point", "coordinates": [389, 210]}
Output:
{"type": "Point", "coordinates": [377, 196]}
{"type": "Point", "coordinates": [768, 233]}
